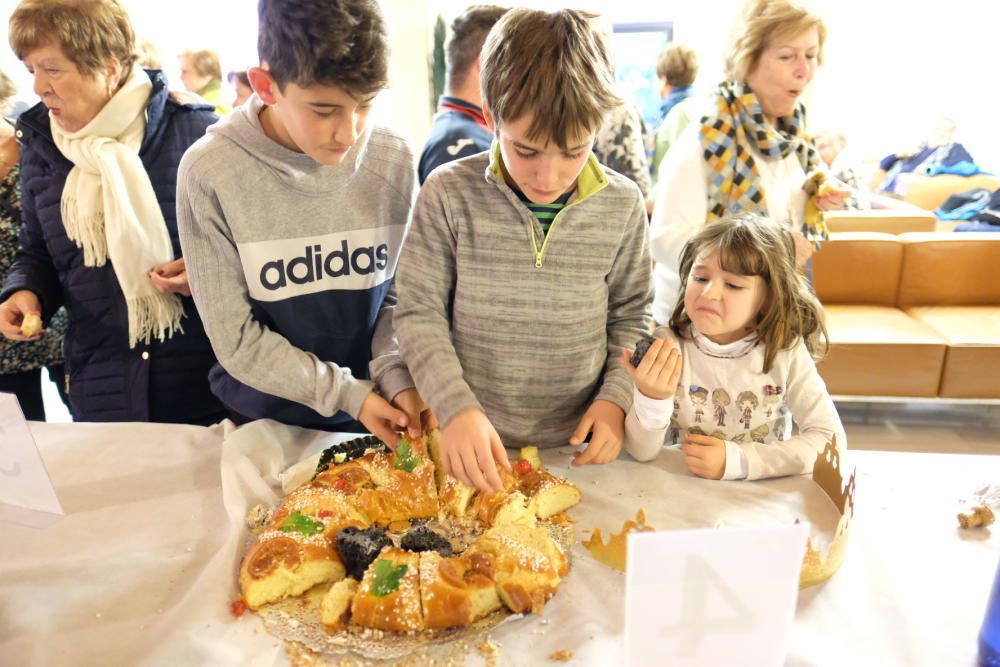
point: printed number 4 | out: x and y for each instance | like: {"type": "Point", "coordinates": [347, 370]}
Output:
{"type": "Point", "coordinates": [695, 624]}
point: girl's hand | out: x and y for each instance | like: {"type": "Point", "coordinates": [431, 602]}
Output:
{"type": "Point", "coordinates": [659, 371]}
{"type": "Point", "coordinates": [705, 456]}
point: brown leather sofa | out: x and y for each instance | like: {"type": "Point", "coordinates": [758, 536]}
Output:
{"type": "Point", "coordinates": [911, 315]}
{"type": "Point", "coordinates": [891, 221]}
{"type": "Point", "coordinates": [929, 192]}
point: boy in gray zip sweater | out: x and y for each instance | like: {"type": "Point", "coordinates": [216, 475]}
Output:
{"type": "Point", "coordinates": [526, 271]}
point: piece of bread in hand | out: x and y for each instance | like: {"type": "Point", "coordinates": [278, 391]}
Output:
{"type": "Point", "coordinates": [30, 325]}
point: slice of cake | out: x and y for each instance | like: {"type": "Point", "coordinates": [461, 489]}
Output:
{"type": "Point", "coordinates": [388, 597]}
{"type": "Point", "coordinates": [547, 493]}
{"type": "Point", "coordinates": [285, 564]}
{"type": "Point", "coordinates": [336, 606]}
{"type": "Point", "coordinates": [528, 565]}
{"type": "Point", "coordinates": [456, 591]}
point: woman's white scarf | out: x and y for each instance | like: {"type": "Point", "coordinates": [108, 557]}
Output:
{"type": "Point", "coordinates": [109, 208]}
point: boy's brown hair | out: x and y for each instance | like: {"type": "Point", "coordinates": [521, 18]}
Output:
{"type": "Point", "coordinates": [555, 66]}
{"type": "Point", "coordinates": [326, 42]}
{"type": "Point", "coordinates": [91, 33]}
{"type": "Point", "coordinates": [678, 65]}
{"type": "Point", "coordinates": [751, 245]}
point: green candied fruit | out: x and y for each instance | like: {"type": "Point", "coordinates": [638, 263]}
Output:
{"type": "Point", "coordinates": [300, 523]}
{"type": "Point", "coordinates": [387, 577]}
{"type": "Point", "coordinates": [406, 458]}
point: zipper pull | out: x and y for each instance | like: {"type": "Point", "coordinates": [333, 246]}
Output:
{"type": "Point", "coordinates": [538, 261]}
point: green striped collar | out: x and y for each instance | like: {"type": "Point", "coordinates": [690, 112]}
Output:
{"type": "Point", "coordinates": [590, 181]}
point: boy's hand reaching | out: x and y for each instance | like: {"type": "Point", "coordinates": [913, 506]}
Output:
{"type": "Point", "coordinates": [383, 420]}
{"type": "Point", "coordinates": [705, 456]}
{"type": "Point", "coordinates": [659, 371]}
{"type": "Point", "coordinates": [471, 449]}
{"type": "Point", "coordinates": [417, 413]}
{"type": "Point", "coordinates": [606, 422]}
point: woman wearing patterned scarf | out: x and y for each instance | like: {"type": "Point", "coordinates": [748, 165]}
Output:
{"type": "Point", "coordinates": [99, 159]}
{"type": "Point", "coordinates": [750, 153]}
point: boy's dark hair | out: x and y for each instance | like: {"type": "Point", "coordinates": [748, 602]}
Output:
{"type": "Point", "coordinates": [326, 42]}
{"type": "Point", "coordinates": [751, 245]}
{"type": "Point", "coordinates": [468, 32]}
{"type": "Point", "coordinates": [555, 66]}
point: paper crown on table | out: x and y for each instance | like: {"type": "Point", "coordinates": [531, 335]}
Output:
{"type": "Point", "coordinates": [818, 567]}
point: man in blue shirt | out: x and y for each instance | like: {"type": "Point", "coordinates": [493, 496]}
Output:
{"type": "Point", "coordinates": [459, 129]}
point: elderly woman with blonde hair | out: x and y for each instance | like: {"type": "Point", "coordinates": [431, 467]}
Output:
{"type": "Point", "coordinates": [751, 152]}
{"type": "Point", "coordinates": [99, 159]}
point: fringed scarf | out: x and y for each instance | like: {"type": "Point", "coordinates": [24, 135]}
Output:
{"type": "Point", "coordinates": [727, 137]}
{"type": "Point", "coordinates": [109, 208]}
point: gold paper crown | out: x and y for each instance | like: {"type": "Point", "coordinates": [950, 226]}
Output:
{"type": "Point", "coordinates": [614, 553]}
{"type": "Point", "coordinates": [817, 568]}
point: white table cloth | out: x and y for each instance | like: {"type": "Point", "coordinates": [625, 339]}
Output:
{"type": "Point", "coordinates": [143, 566]}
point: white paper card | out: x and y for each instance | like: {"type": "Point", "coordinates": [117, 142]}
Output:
{"type": "Point", "coordinates": [24, 482]}
{"type": "Point", "coordinates": [712, 597]}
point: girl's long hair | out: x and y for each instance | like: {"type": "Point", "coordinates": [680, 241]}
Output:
{"type": "Point", "coordinates": [751, 245]}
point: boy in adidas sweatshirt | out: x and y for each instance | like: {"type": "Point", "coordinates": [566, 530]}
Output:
{"type": "Point", "coordinates": [527, 270]}
{"type": "Point", "coordinates": [292, 213]}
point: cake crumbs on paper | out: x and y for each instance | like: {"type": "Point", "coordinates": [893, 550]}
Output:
{"type": "Point", "coordinates": [564, 655]}
{"type": "Point", "coordinates": [489, 651]}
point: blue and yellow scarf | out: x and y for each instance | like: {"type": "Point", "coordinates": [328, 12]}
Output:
{"type": "Point", "coordinates": [727, 137]}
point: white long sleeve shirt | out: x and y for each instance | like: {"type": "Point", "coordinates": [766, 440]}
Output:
{"type": "Point", "coordinates": [723, 392]}
{"type": "Point", "coordinates": [682, 204]}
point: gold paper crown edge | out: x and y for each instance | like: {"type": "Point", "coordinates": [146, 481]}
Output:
{"type": "Point", "coordinates": [818, 567]}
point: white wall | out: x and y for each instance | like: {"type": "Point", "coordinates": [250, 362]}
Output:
{"type": "Point", "coordinates": [891, 67]}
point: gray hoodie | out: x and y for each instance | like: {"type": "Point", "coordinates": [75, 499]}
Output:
{"type": "Point", "coordinates": [291, 265]}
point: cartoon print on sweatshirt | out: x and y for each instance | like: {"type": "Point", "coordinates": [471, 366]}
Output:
{"type": "Point", "coordinates": [747, 403]}
{"type": "Point", "coordinates": [699, 397]}
{"type": "Point", "coordinates": [718, 434]}
{"type": "Point", "coordinates": [739, 437]}
{"type": "Point", "coordinates": [759, 433]}
{"type": "Point", "coordinates": [772, 397]}
{"type": "Point", "coordinates": [674, 430]}
{"type": "Point", "coordinates": [720, 399]}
